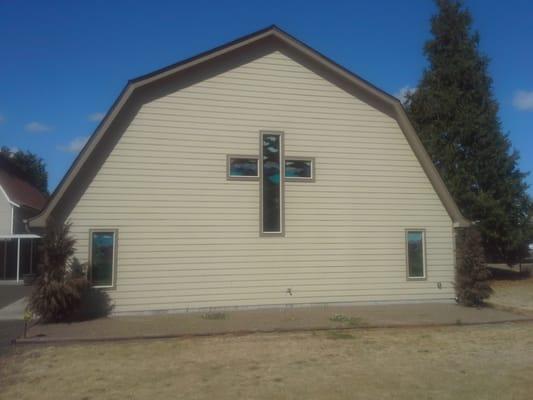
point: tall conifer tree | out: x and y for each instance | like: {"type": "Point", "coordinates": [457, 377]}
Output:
{"type": "Point", "coordinates": [456, 116]}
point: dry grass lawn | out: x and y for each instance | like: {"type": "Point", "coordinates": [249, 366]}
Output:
{"type": "Point", "coordinates": [463, 362]}
{"type": "Point", "coordinates": [517, 294]}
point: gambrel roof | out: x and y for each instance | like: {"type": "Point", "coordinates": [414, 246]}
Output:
{"type": "Point", "coordinates": [245, 48]}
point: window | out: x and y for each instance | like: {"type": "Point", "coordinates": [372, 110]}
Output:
{"type": "Point", "coordinates": [271, 185]}
{"type": "Point", "coordinates": [299, 169]}
{"type": "Point", "coordinates": [416, 254]}
{"type": "Point", "coordinates": [242, 167]}
{"type": "Point", "coordinates": [102, 258]}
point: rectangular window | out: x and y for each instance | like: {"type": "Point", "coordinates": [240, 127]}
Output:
{"type": "Point", "coordinates": [299, 169]}
{"type": "Point", "coordinates": [242, 167]}
{"type": "Point", "coordinates": [416, 254]}
{"type": "Point", "coordinates": [271, 183]}
{"type": "Point", "coordinates": [102, 261]}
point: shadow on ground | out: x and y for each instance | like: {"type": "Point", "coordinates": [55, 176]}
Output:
{"type": "Point", "coordinates": [509, 274]}
{"type": "Point", "coordinates": [11, 327]}
{"type": "Point", "coordinates": [11, 293]}
{"type": "Point", "coordinates": [9, 330]}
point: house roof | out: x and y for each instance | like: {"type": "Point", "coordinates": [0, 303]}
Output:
{"type": "Point", "coordinates": [20, 192]}
{"type": "Point", "coordinates": [368, 92]}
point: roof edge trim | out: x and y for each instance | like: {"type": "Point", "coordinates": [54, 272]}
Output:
{"type": "Point", "coordinates": [399, 114]}
{"type": "Point", "coordinates": [7, 197]}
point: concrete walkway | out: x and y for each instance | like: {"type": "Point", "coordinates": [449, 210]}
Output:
{"type": "Point", "coordinates": [11, 322]}
{"type": "Point", "coordinates": [10, 293]}
{"type": "Point", "coordinates": [14, 311]}
{"type": "Point", "coordinates": [268, 320]}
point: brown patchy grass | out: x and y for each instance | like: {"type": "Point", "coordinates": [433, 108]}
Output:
{"type": "Point", "coordinates": [489, 362]}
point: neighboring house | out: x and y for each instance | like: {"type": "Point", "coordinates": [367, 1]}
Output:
{"type": "Point", "coordinates": [19, 200]}
{"type": "Point", "coordinates": [260, 173]}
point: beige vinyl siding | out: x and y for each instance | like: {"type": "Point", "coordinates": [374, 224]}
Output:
{"type": "Point", "coordinates": [189, 238]}
{"type": "Point", "coordinates": [6, 215]}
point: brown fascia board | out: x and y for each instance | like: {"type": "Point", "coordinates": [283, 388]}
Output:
{"type": "Point", "coordinates": [40, 220]}
{"type": "Point", "coordinates": [375, 96]}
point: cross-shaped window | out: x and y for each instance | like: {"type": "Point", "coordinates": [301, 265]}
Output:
{"type": "Point", "coordinates": [272, 170]}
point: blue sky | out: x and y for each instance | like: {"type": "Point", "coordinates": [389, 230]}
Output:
{"type": "Point", "coordinates": [64, 62]}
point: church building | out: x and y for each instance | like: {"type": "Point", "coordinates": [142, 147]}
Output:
{"type": "Point", "coordinates": [258, 174]}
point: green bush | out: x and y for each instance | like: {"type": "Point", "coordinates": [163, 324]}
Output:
{"type": "Point", "coordinates": [472, 275]}
{"type": "Point", "coordinates": [57, 293]}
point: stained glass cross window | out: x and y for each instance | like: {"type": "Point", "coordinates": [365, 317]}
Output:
{"type": "Point", "coordinates": [272, 170]}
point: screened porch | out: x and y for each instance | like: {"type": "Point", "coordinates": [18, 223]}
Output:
{"type": "Point", "coordinates": [18, 257]}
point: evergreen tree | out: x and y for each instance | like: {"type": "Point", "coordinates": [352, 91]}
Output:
{"type": "Point", "coordinates": [456, 116]}
{"type": "Point", "coordinates": [57, 293]}
{"type": "Point", "coordinates": [472, 274]}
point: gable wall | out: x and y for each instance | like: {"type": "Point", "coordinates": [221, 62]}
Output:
{"type": "Point", "coordinates": [188, 238]}
{"type": "Point", "coordinates": [5, 215]}
{"type": "Point", "coordinates": [20, 214]}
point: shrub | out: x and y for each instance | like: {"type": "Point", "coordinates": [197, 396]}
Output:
{"type": "Point", "coordinates": [95, 303]}
{"type": "Point", "coordinates": [214, 315]}
{"type": "Point", "coordinates": [472, 274]}
{"type": "Point", "coordinates": [57, 293]}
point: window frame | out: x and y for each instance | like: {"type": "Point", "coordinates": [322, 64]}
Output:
{"type": "Point", "coordinates": [281, 232]}
{"type": "Point", "coordinates": [230, 177]}
{"type": "Point", "coordinates": [115, 258]}
{"type": "Point", "coordinates": [424, 253]}
{"type": "Point", "coordinates": [297, 178]}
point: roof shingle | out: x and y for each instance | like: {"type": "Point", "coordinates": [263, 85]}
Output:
{"type": "Point", "coordinates": [21, 192]}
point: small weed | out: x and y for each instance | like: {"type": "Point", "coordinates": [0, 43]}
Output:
{"type": "Point", "coordinates": [354, 321]}
{"type": "Point", "coordinates": [214, 315]}
{"type": "Point", "coordinates": [299, 362]}
{"type": "Point", "coordinates": [339, 318]}
{"type": "Point", "coordinates": [343, 319]}
{"type": "Point", "coordinates": [336, 335]}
